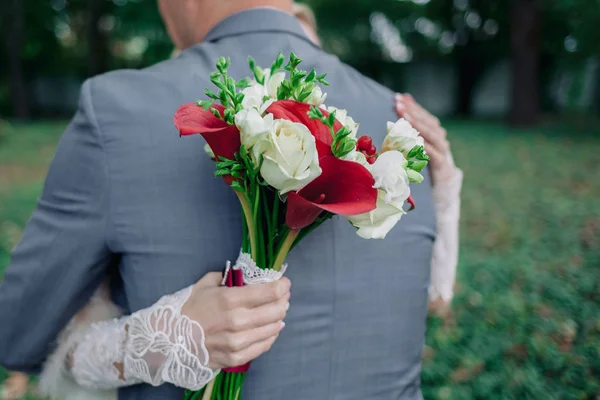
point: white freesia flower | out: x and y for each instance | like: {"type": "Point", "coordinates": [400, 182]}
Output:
{"type": "Point", "coordinates": [209, 151]}
{"type": "Point", "coordinates": [342, 116]}
{"type": "Point", "coordinates": [290, 159]}
{"type": "Point", "coordinates": [252, 126]}
{"type": "Point", "coordinates": [377, 223]}
{"type": "Point", "coordinates": [401, 136]}
{"type": "Point", "coordinates": [253, 96]}
{"type": "Point", "coordinates": [272, 83]}
{"type": "Point", "coordinates": [358, 157]}
{"type": "Point", "coordinates": [390, 176]}
{"type": "Point", "coordinates": [316, 97]}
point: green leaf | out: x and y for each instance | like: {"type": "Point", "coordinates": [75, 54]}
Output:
{"type": "Point", "coordinates": [238, 186]}
{"type": "Point", "coordinates": [294, 59]}
{"type": "Point", "coordinates": [210, 94]}
{"type": "Point", "coordinates": [239, 97]}
{"type": "Point", "coordinates": [223, 97]}
{"type": "Point", "coordinates": [414, 176]}
{"type": "Point", "coordinates": [206, 104]}
{"type": "Point", "coordinates": [331, 120]}
{"type": "Point", "coordinates": [216, 113]}
{"type": "Point", "coordinates": [276, 66]}
{"type": "Point", "coordinates": [222, 65]}
{"type": "Point", "coordinates": [311, 76]}
{"type": "Point", "coordinates": [321, 79]}
{"type": "Point", "coordinates": [419, 165]}
{"type": "Point", "coordinates": [243, 83]}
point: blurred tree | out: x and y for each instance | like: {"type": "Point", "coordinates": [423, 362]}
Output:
{"type": "Point", "coordinates": [79, 38]}
{"type": "Point", "coordinates": [13, 24]}
{"type": "Point", "coordinates": [97, 40]}
{"type": "Point", "coordinates": [526, 52]}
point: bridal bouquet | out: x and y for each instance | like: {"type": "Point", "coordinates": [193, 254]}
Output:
{"type": "Point", "coordinates": [294, 163]}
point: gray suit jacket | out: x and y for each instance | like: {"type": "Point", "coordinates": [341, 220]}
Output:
{"type": "Point", "coordinates": [125, 196]}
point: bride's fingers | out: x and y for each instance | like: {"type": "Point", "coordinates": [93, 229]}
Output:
{"type": "Point", "coordinates": [254, 350]}
{"type": "Point", "coordinates": [437, 157]}
{"type": "Point", "coordinates": [212, 279]}
{"type": "Point", "coordinates": [412, 111]}
{"type": "Point", "coordinates": [234, 342]}
{"type": "Point", "coordinates": [221, 359]}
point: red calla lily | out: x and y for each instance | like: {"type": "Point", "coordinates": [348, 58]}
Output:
{"type": "Point", "coordinates": [223, 139]}
{"type": "Point", "coordinates": [298, 112]}
{"type": "Point", "coordinates": [344, 187]}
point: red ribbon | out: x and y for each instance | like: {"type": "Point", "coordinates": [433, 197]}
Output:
{"type": "Point", "coordinates": [235, 277]}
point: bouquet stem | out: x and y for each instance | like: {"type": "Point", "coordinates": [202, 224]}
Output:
{"type": "Point", "coordinates": [208, 391]}
{"type": "Point", "coordinates": [285, 249]}
{"type": "Point", "coordinates": [247, 211]}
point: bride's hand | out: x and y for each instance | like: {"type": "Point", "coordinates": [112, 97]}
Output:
{"type": "Point", "coordinates": [436, 143]}
{"type": "Point", "coordinates": [239, 323]}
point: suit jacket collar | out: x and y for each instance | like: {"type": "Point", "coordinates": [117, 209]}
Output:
{"type": "Point", "coordinates": [257, 20]}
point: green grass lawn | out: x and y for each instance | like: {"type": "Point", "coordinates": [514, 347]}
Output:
{"type": "Point", "coordinates": [526, 319]}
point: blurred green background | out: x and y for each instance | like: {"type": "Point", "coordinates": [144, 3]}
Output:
{"type": "Point", "coordinates": [517, 84]}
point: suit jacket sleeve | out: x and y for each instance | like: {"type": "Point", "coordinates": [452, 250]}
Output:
{"type": "Point", "coordinates": [62, 256]}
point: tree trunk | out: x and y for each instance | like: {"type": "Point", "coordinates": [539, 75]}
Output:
{"type": "Point", "coordinates": [97, 51]}
{"type": "Point", "coordinates": [14, 23]}
{"type": "Point", "coordinates": [526, 52]}
{"type": "Point", "coordinates": [470, 67]}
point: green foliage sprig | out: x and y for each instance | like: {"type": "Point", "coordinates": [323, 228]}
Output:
{"type": "Point", "coordinates": [227, 95]}
{"type": "Point", "coordinates": [342, 143]}
{"type": "Point", "coordinates": [299, 85]}
{"type": "Point", "coordinates": [417, 159]}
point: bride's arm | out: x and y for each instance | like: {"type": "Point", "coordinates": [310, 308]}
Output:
{"type": "Point", "coordinates": [166, 343]}
{"type": "Point", "coordinates": [100, 350]}
{"type": "Point", "coordinates": [447, 183]}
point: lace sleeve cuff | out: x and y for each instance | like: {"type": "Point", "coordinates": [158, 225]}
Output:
{"type": "Point", "coordinates": [155, 345]}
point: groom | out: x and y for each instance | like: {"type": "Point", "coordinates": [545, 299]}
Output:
{"type": "Point", "coordinates": [125, 197]}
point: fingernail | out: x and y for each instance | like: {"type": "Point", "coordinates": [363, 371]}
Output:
{"type": "Point", "coordinates": [398, 97]}
{"type": "Point", "coordinates": [400, 107]}
{"type": "Point", "coordinates": [287, 307]}
{"type": "Point", "coordinates": [282, 324]}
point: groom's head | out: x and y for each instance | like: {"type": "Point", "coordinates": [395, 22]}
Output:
{"type": "Point", "coordinates": [188, 21]}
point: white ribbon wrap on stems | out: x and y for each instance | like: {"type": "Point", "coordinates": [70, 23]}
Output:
{"type": "Point", "coordinates": [253, 275]}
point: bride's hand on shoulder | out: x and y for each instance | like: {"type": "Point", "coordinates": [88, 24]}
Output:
{"type": "Point", "coordinates": [239, 323]}
{"type": "Point", "coordinates": [437, 145]}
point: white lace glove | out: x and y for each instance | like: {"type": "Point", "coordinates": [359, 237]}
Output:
{"type": "Point", "coordinates": [155, 345]}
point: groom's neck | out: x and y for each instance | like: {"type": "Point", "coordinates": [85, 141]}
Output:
{"type": "Point", "coordinates": [210, 13]}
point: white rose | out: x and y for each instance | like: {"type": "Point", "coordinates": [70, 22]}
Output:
{"type": "Point", "coordinates": [252, 126]}
{"type": "Point", "coordinates": [290, 159]}
{"type": "Point", "coordinates": [401, 136]}
{"type": "Point", "coordinates": [377, 223]}
{"type": "Point", "coordinates": [316, 97]}
{"type": "Point", "coordinates": [391, 177]}
{"type": "Point", "coordinates": [342, 116]}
